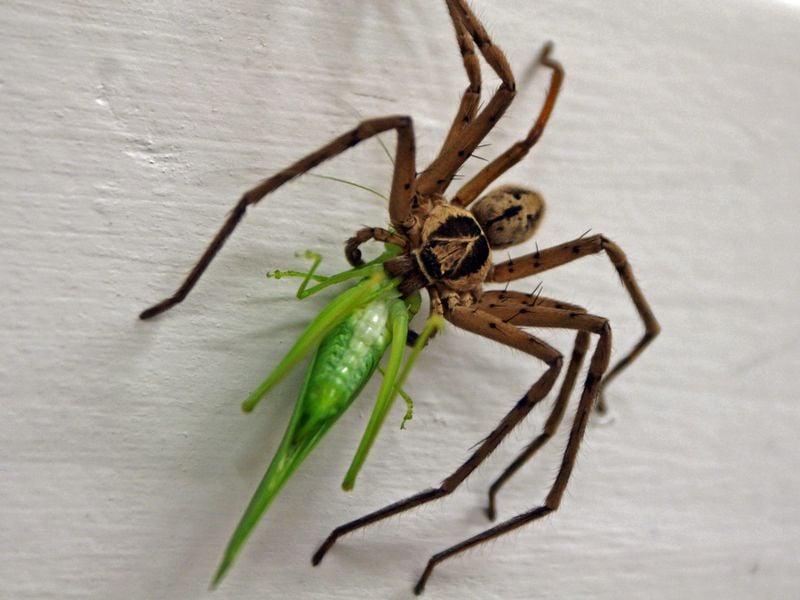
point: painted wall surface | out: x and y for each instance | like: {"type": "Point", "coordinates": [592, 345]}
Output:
{"type": "Point", "coordinates": [129, 129]}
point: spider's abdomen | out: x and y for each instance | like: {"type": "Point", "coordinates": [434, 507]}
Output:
{"type": "Point", "coordinates": [509, 215]}
{"type": "Point", "coordinates": [454, 249]}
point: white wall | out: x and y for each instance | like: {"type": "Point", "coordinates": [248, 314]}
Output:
{"type": "Point", "coordinates": [130, 128]}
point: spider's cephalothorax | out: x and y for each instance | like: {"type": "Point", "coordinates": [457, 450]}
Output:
{"type": "Point", "coordinates": [446, 249]}
{"type": "Point", "coordinates": [455, 244]}
{"type": "Point", "coordinates": [453, 252]}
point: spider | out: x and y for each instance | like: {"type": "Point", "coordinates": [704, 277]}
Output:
{"type": "Point", "coordinates": [446, 250]}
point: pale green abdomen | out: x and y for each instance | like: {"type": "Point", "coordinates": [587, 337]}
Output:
{"type": "Point", "coordinates": [348, 357]}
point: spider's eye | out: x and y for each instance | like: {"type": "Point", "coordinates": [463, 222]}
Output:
{"type": "Point", "coordinates": [509, 215]}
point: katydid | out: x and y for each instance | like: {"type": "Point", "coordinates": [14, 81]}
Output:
{"type": "Point", "coordinates": [350, 336]}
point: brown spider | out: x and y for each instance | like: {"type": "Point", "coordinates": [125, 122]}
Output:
{"type": "Point", "coordinates": [447, 251]}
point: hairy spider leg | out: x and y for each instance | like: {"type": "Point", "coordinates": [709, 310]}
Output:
{"type": "Point", "coordinates": [543, 260]}
{"type": "Point", "coordinates": [399, 201]}
{"type": "Point", "coordinates": [508, 305]}
{"type": "Point", "coordinates": [473, 188]}
{"type": "Point", "coordinates": [437, 176]}
{"type": "Point", "coordinates": [482, 323]}
{"type": "Point", "coordinates": [547, 317]}
{"type": "Point", "coordinates": [471, 97]}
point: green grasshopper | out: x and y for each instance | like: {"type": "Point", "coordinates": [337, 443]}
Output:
{"type": "Point", "coordinates": [350, 336]}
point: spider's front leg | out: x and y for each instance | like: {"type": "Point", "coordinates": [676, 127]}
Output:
{"type": "Point", "coordinates": [465, 137]}
{"type": "Point", "coordinates": [399, 202]}
{"type": "Point", "coordinates": [480, 322]}
{"type": "Point", "coordinates": [543, 260]}
{"type": "Point", "coordinates": [472, 189]}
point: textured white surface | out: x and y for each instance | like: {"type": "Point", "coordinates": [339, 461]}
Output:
{"type": "Point", "coordinates": [130, 128]}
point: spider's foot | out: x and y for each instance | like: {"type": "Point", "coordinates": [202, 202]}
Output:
{"type": "Point", "coordinates": [603, 416]}
{"type": "Point", "coordinates": [323, 549]}
{"type": "Point", "coordinates": [600, 405]}
{"type": "Point", "coordinates": [491, 508]}
{"type": "Point", "coordinates": [490, 511]}
{"type": "Point", "coordinates": [420, 587]}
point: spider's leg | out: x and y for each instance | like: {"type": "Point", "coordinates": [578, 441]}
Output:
{"type": "Point", "coordinates": [472, 95]}
{"type": "Point", "coordinates": [399, 203]}
{"type": "Point", "coordinates": [437, 176]}
{"type": "Point", "coordinates": [482, 323]}
{"type": "Point", "coordinates": [547, 317]}
{"type": "Point", "coordinates": [472, 189]}
{"type": "Point", "coordinates": [351, 247]}
{"type": "Point", "coordinates": [513, 307]}
{"type": "Point", "coordinates": [543, 260]}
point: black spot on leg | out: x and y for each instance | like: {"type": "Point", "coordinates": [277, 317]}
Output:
{"type": "Point", "coordinates": [461, 153]}
{"type": "Point", "coordinates": [536, 264]}
{"type": "Point", "coordinates": [407, 186]}
{"type": "Point", "coordinates": [576, 249]}
{"type": "Point", "coordinates": [592, 379]}
{"type": "Point", "coordinates": [492, 325]}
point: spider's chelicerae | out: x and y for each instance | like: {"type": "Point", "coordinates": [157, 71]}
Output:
{"type": "Point", "coordinates": [446, 249]}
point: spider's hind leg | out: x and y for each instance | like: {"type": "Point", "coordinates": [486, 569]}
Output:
{"type": "Point", "coordinates": [548, 317]}
{"type": "Point", "coordinates": [477, 321]}
{"type": "Point", "coordinates": [509, 305]}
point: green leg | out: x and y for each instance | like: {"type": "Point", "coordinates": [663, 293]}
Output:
{"type": "Point", "coordinates": [304, 291]}
{"type": "Point", "coordinates": [333, 314]}
{"type": "Point", "coordinates": [435, 322]}
{"type": "Point", "coordinates": [406, 398]}
{"type": "Point", "coordinates": [398, 317]}
{"type": "Point", "coordinates": [392, 383]}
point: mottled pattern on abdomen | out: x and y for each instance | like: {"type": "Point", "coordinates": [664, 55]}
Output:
{"type": "Point", "coordinates": [348, 356]}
